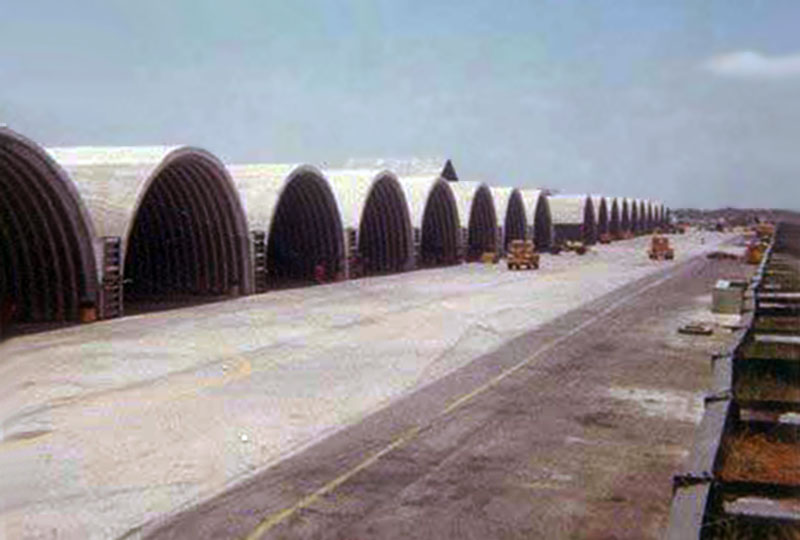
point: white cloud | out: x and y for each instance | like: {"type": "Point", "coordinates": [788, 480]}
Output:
{"type": "Point", "coordinates": [754, 65]}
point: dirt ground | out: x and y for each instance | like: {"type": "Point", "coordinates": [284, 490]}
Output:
{"type": "Point", "coordinates": [109, 426]}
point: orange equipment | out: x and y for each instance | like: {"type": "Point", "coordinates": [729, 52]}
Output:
{"type": "Point", "coordinates": [755, 252]}
{"type": "Point", "coordinates": [765, 231]}
{"type": "Point", "coordinates": [490, 257]}
{"type": "Point", "coordinates": [660, 249]}
{"type": "Point", "coordinates": [521, 254]}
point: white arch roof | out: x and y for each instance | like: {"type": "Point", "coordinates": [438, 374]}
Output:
{"type": "Point", "coordinates": [568, 209]}
{"type": "Point", "coordinates": [413, 166]}
{"type": "Point", "coordinates": [597, 200]}
{"type": "Point", "coordinates": [464, 193]}
{"type": "Point", "coordinates": [610, 202]}
{"type": "Point", "coordinates": [502, 198]}
{"type": "Point", "coordinates": [631, 204]}
{"type": "Point", "coordinates": [260, 186]}
{"type": "Point", "coordinates": [113, 180]}
{"type": "Point", "coordinates": [417, 189]}
{"type": "Point", "coordinates": [63, 175]}
{"type": "Point", "coordinates": [352, 187]}
{"type": "Point", "coordinates": [531, 198]}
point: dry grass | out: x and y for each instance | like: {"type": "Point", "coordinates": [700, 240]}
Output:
{"type": "Point", "coordinates": [760, 457]}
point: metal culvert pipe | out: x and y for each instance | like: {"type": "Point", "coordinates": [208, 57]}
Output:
{"type": "Point", "coordinates": [306, 230]}
{"type": "Point", "coordinates": [47, 265]}
{"type": "Point", "coordinates": [440, 227]}
{"type": "Point", "coordinates": [384, 240]}
{"type": "Point", "coordinates": [482, 232]}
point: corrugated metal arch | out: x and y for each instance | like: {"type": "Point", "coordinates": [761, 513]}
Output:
{"type": "Point", "coordinates": [540, 219]}
{"type": "Point", "coordinates": [434, 214]}
{"type": "Point", "coordinates": [634, 215]}
{"type": "Point", "coordinates": [573, 218]}
{"type": "Point", "coordinates": [511, 214]}
{"type": "Point", "coordinates": [600, 205]}
{"type": "Point", "coordinates": [373, 206]}
{"type": "Point", "coordinates": [386, 238]}
{"type": "Point", "coordinates": [656, 213]}
{"type": "Point", "coordinates": [46, 235]}
{"type": "Point", "coordinates": [477, 216]}
{"type": "Point", "coordinates": [296, 207]}
{"type": "Point", "coordinates": [625, 215]}
{"type": "Point", "coordinates": [177, 212]}
{"type": "Point", "coordinates": [614, 219]}
{"type": "Point", "coordinates": [642, 216]}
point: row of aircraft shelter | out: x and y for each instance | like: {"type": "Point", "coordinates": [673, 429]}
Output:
{"type": "Point", "coordinates": [96, 227]}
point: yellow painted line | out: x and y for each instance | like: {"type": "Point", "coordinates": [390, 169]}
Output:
{"type": "Point", "coordinates": [307, 501]}
{"type": "Point", "coordinates": [277, 518]}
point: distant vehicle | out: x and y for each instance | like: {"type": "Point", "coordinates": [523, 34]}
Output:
{"type": "Point", "coordinates": [660, 249]}
{"type": "Point", "coordinates": [490, 257]}
{"type": "Point", "coordinates": [765, 231]}
{"type": "Point", "coordinates": [521, 254]}
{"type": "Point", "coordinates": [578, 247]}
{"type": "Point", "coordinates": [755, 252]}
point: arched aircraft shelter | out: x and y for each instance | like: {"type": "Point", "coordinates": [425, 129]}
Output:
{"type": "Point", "coordinates": [47, 259]}
{"type": "Point", "coordinates": [600, 205]}
{"type": "Point", "coordinates": [511, 214]}
{"type": "Point", "coordinates": [540, 222]}
{"type": "Point", "coordinates": [625, 221]}
{"type": "Point", "coordinates": [642, 216]}
{"type": "Point", "coordinates": [477, 218]}
{"type": "Point", "coordinates": [295, 223]}
{"type": "Point", "coordinates": [434, 216]}
{"type": "Point", "coordinates": [169, 218]}
{"type": "Point", "coordinates": [378, 233]}
{"type": "Point", "coordinates": [614, 220]}
{"type": "Point", "coordinates": [573, 218]}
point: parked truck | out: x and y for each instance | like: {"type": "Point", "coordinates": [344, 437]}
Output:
{"type": "Point", "coordinates": [521, 254]}
{"type": "Point", "coordinates": [660, 249]}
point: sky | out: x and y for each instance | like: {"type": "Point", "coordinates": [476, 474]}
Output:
{"type": "Point", "coordinates": [693, 102]}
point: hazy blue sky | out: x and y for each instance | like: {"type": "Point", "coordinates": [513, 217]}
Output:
{"type": "Point", "coordinates": [695, 102]}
